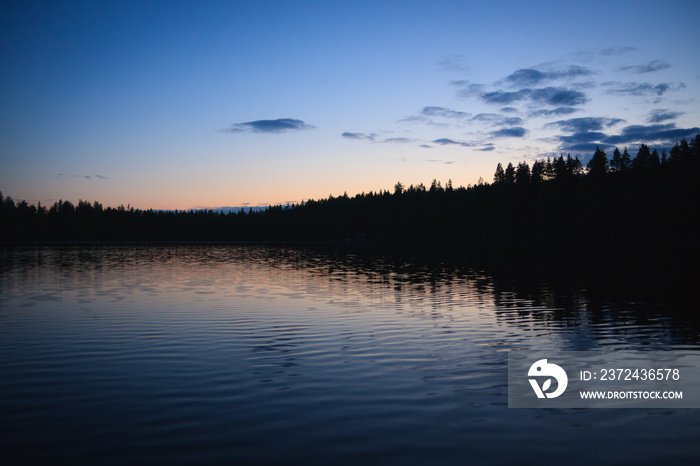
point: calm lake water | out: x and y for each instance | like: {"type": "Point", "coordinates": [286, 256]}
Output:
{"type": "Point", "coordinates": [245, 354]}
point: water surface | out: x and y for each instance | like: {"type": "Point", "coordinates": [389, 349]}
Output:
{"type": "Point", "coordinates": [245, 354]}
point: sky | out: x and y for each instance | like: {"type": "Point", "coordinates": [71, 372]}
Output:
{"type": "Point", "coordinates": [192, 104]}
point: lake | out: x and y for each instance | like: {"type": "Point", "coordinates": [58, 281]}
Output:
{"type": "Point", "coordinates": [283, 354]}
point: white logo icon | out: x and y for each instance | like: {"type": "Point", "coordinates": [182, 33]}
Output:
{"type": "Point", "coordinates": [542, 369]}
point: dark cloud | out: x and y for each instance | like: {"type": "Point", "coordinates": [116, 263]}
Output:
{"type": "Point", "coordinates": [487, 147]}
{"type": "Point", "coordinates": [585, 147]}
{"type": "Point", "coordinates": [516, 132]}
{"type": "Point", "coordinates": [659, 115]}
{"type": "Point", "coordinates": [640, 89]}
{"type": "Point", "coordinates": [559, 111]}
{"type": "Point", "coordinates": [526, 77]}
{"type": "Point", "coordinates": [554, 96]}
{"type": "Point", "coordinates": [579, 125]}
{"type": "Point", "coordinates": [509, 109]}
{"type": "Point", "coordinates": [443, 112]}
{"type": "Point", "coordinates": [667, 133]}
{"type": "Point", "coordinates": [361, 136]}
{"type": "Point", "coordinates": [503, 97]}
{"type": "Point", "coordinates": [558, 96]}
{"type": "Point", "coordinates": [281, 125]}
{"type": "Point", "coordinates": [533, 77]}
{"type": "Point", "coordinates": [584, 136]}
{"type": "Point", "coordinates": [650, 67]}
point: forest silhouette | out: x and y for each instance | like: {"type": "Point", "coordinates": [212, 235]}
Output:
{"type": "Point", "coordinates": [617, 204]}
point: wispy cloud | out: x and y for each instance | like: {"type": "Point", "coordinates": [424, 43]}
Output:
{"type": "Point", "coordinates": [281, 125]}
{"type": "Point", "coordinates": [617, 51]}
{"type": "Point", "coordinates": [453, 63]}
{"type": "Point", "coordinates": [559, 111]}
{"type": "Point", "coordinates": [85, 177]}
{"type": "Point", "coordinates": [468, 89]}
{"type": "Point", "coordinates": [650, 67]}
{"type": "Point", "coordinates": [448, 141]}
{"type": "Point", "coordinates": [641, 89]}
{"type": "Point", "coordinates": [660, 115]}
{"type": "Point", "coordinates": [359, 136]}
{"type": "Point", "coordinates": [443, 112]}
{"type": "Point", "coordinates": [398, 140]}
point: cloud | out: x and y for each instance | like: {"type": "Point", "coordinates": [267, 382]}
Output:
{"type": "Point", "coordinates": [453, 63]}
{"type": "Point", "coordinates": [585, 147]}
{"type": "Point", "coordinates": [398, 140]}
{"type": "Point", "coordinates": [559, 111]}
{"type": "Point", "coordinates": [533, 77]}
{"type": "Point", "coordinates": [468, 89]}
{"type": "Point", "coordinates": [505, 98]}
{"type": "Point", "coordinates": [640, 89]}
{"type": "Point", "coordinates": [667, 133]}
{"type": "Point", "coordinates": [659, 115]}
{"type": "Point", "coordinates": [372, 137]}
{"type": "Point", "coordinates": [578, 125]}
{"type": "Point", "coordinates": [584, 136]}
{"type": "Point", "coordinates": [487, 148]}
{"type": "Point", "coordinates": [616, 51]}
{"type": "Point", "coordinates": [359, 136]}
{"type": "Point", "coordinates": [489, 117]}
{"type": "Point", "coordinates": [447, 141]}
{"type": "Point", "coordinates": [558, 96]}
{"type": "Point", "coordinates": [515, 132]}
{"type": "Point", "coordinates": [650, 67]}
{"type": "Point", "coordinates": [281, 125]}
{"type": "Point", "coordinates": [85, 177]}
{"type": "Point", "coordinates": [512, 121]}
{"type": "Point", "coordinates": [554, 96]}
{"type": "Point", "coordinates": [443, 112]}
{"type": "Point", "coordinates": [509, 109]}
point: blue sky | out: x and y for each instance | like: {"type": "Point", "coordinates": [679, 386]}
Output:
{"type": "Point", "coordinates": [206, 104]}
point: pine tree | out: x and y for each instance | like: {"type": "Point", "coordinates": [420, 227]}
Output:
{"type": "Point", "coordinates": [598, 165]}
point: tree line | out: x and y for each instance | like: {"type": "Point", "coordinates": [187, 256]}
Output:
{"type": "Point", "coordinates": [619, 203]}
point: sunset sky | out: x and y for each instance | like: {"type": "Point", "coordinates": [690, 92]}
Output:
{"type": "Point", "coordinates": [178, 105]}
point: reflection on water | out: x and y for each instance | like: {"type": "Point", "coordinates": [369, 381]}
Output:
{"type": "Point", "coordinates": [247, 354]}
